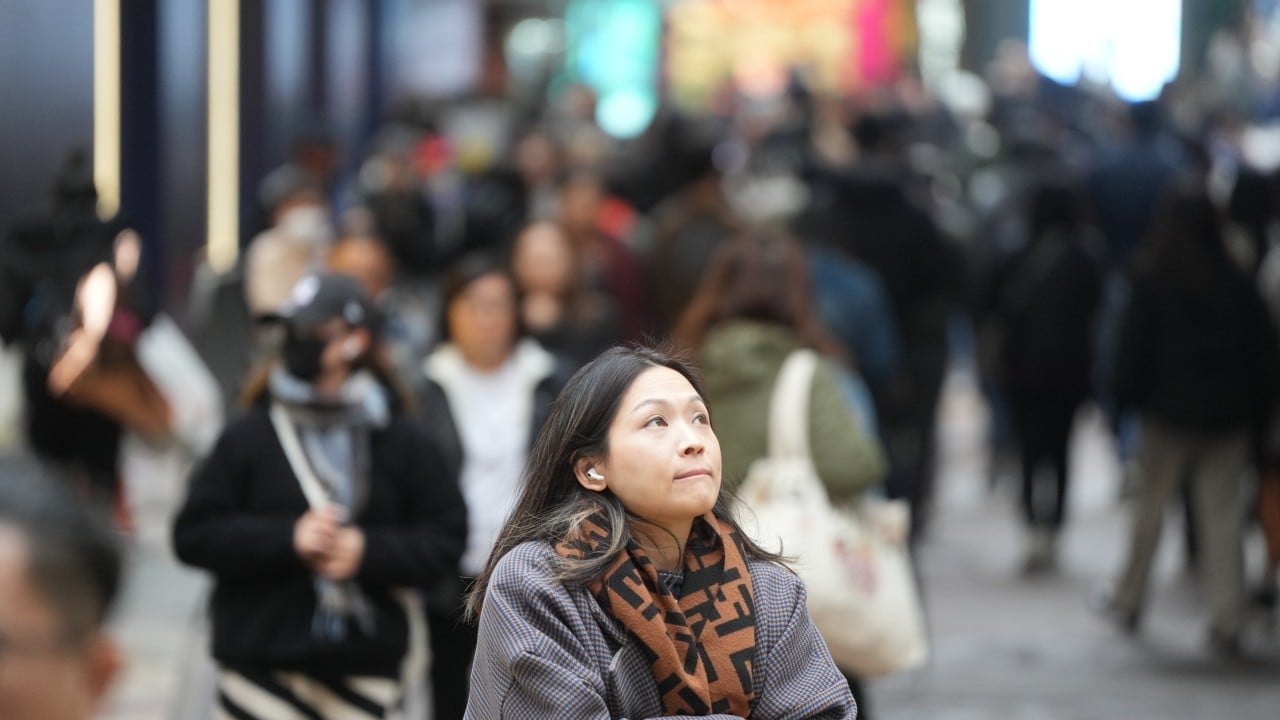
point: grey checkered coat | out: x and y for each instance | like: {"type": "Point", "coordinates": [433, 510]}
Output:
{"type": "Point", "coordinates": [549, 652]}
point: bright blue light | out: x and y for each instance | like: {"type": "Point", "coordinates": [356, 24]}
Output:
{"type": "Point", "coordinates": [614, 47]}
{"type": "Point", "coordinates": [625, 113]}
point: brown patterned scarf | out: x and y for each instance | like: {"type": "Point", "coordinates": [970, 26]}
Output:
{"type": "Point", "coordinates": [702, 643]}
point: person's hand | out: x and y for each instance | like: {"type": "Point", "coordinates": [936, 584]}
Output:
{"type": "Point", "coordinates": [95, 301]}
{"type": "Point", "coordinates": [315, 534]}
{"type": "Point", "coordinates": [345, 555]}
{"type": "Point", "coordinates": [80, 352]}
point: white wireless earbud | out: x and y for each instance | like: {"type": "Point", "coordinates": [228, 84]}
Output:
{"type": "Point", "coordinates": [591, 473]}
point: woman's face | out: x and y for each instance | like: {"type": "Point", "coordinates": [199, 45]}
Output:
{"type": "Point", "coordinates": [543, 259]}
{"type": "Point", "coordinates": [482, 321]}
{"type": "Point", "coordinates": [664, 460]}
{"type": "Point", "coordinates": [580, 205]}
{"type": "Point", "coordinates": [325, 355]}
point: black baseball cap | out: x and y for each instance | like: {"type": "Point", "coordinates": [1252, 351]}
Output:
{"type": "Point", "coordinates": [318, 298]}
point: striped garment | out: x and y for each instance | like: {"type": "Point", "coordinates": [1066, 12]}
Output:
{"type": "Point", "coordinates": [249, 695]}
{"type": "Point", "coordinates": [550, 651]}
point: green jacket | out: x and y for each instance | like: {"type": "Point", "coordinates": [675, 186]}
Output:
{"type": "Point", "coordinates": [740, 360]}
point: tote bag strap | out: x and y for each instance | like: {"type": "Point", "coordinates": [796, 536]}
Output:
{"type": "Point", "coordinates": [314, 491]}
{"type": "Point", "coordinates": [789, 406]}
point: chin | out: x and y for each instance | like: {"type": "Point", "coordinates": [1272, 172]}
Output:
{"type": "Point", "coordinates": [706, 504]}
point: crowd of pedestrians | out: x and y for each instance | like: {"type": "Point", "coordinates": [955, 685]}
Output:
{"type": "Point", "coordinates": [414, 507]}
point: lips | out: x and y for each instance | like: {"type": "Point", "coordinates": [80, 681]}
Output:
{"type": "Point", "coordinates": [695, 472]}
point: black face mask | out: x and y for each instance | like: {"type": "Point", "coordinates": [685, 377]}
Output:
{"type": "Point", "coordinates": [302, 356]}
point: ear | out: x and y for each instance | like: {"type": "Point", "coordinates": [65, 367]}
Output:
{"type": "Point", "coordinates": [580, 468]}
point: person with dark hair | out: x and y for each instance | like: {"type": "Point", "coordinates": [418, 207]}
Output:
{"type": "Point", "coordinates": [560, 311]}
{"type": "Point", "coordinates": [485, 393]}
{"type": "Point", "coordinates": [690, 224]}
{"type": "Point", "coordinates": [1199, 362]}
{"type": "Point", "coordinates": [1045, 298]}
{"type": "Point", "coordinates": [622, 586]}
{"type": "Point", "coordinates": [316, 512]}
{"type": "Point", "coordinates": [751, 311]}
{"type": "Point", "coordinates": [60, 567]}
{"type": "Point", "coordinates": [69, 298]}
{"type": "Point", "coordinates": [752, 308]}
{"type": "Point", "coordinates": [600, 240]}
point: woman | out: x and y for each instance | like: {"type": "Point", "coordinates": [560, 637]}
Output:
{"type": "Point", "coordinates": [487, 392]}
{"type": "Point", "coordinates": [311, 511]}
{"type": "Point", "coordinates": [621, 585]}
{"type": "Point", "coordinates": [557, 308]}
{"type": "Point", "coordinates": [751, 310]}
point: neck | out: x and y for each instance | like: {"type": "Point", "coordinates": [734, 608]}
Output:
{"type": "Point", "coordinates": [329, 384]}
{"type": "Point", "coordinates": [664, 545]}
{"type": "Point", "coordinates": [485, 361]}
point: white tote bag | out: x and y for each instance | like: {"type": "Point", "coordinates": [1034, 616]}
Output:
{"type": "Point", "coordinates": [854, 561]}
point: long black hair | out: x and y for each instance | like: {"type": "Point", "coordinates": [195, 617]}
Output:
{"type": "Point", "coordinates": [552, 502]}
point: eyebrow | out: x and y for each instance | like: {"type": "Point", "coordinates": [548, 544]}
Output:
{"type": "Point", "coordinates": [693, 399]}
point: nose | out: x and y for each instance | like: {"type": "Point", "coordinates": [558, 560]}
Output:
{"type": "Point", "coordinates": [692, 444]}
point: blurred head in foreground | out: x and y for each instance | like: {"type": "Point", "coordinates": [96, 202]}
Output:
{"type": "Point", "coordinates": [59, 572]}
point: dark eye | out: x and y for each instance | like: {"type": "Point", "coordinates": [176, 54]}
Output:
{"type": "Point", "coordinates": [701, 418]}
{"type": "Point", "coordinates": [655, 421]}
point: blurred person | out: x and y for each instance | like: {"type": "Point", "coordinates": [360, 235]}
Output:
{"type": "Point", "coordinates": [314, 510]}
{"type": "Point", "coordinates": [60, 571]}
{"type": "Point", "coordinates": [623, 587]}
{"type": "Point", "coordinates": [883, 227]}
{"type": "Point", "coordinates": [428, 209]}
{"type": "Point", "coordinates": [1124, 188]}
{"type": "Point", "coordinates": [487, 391]}
{"type": "Point", "coordinates": [1126, 185]}
{"type": "Point", "coordinates": [689, 226]}
{"type": "Point", "coordinates": [1044, 299]}
{"type": "Point", "coordinates": [607, 262]}
{"type": "Point", "coordinates": [367, 259]}
{"type": "Point", "coordinates": [852, 304]}
{"type": "Point", "coordinates": [1198, 363]}
{"type": "Point", "coordinates": [851, 301]}
{"type": "Point", "coordinates": [557, 309]}
{"type": "Point", "coordinates": [750, 312]}
{"type": "Point", "coordinates": [648, 169]}
{"type": "Point", "coordinates": [295, 244]}
{"type": "Point", "coordinates": [314, 159]}
{"type": "Point", "coordinates": [572, 115]}
{"type": "Point", "coordinates": [393, 186]}
{"type": "Point", "coordinates": [537, 159]}
{"type": "Point", "coordinates": [1001, 194]}
{"type": "Point", "coordinates": [849, 296]}
{"type": "Point", "coordinates": [1268, 497]}
{"type": "Point", "coordinates": [405, 333]}
{"type": "Point", "coordinates": [68, 297]}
